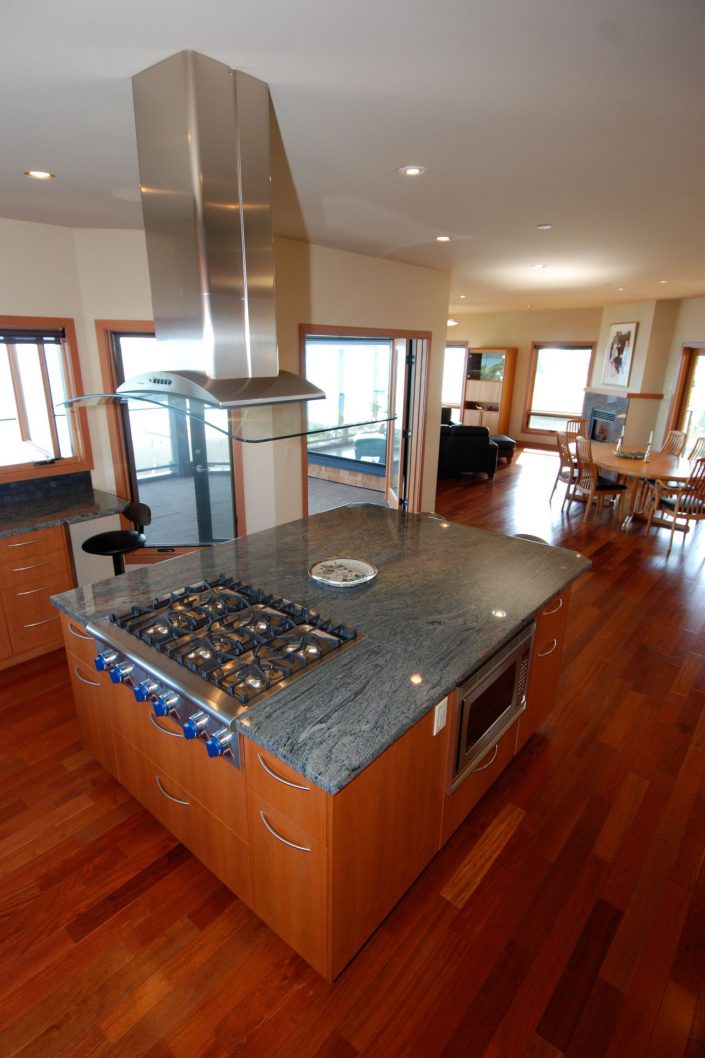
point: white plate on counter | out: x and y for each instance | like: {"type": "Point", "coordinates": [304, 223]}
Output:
{"type": "Point", "coordinates": [343, 572]}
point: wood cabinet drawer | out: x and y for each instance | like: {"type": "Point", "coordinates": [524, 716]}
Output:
{"type": "Point", "coordinates": [24, 603]}
{"type": "Point", "coordinates": [551, 621]}
{"type": "Point", "coordinates": [459, 803]}
{"type": "Point", "coordinates": [36, 569]}
{"type": "Point", "coordinates": [289, 871]}
{"type": "Point", "coordinates": [77, 641]}
{"type": "Point", "coordinates": [286, 790]}
{"type": "Point", "coordinates": [216, 783]}
{"type": "Point", "coordinates": [23, 549]}
{"type": "Point", "coordinates": [93, 702]}
{"type": "Point", "coordinates": [222, 851]}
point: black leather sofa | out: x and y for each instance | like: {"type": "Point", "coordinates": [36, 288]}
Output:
{"type": "Point", "coordinates": [466, 450]}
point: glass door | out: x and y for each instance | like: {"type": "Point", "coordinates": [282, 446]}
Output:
{"type": "Point", "coordinates": [398, 407]}
{"type": "Point", "coordinates": [179, 467]}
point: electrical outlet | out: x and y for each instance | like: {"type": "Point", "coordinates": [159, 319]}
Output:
{"type": "Point", "coordinates": [440, 715]}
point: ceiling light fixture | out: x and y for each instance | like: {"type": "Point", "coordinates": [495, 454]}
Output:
{"type": "Point", "coordinates": [620, 288]}
{"type": "Point", "coordinates": [544, 227]}
{"type": "Point", "coordinates": [662, 281]}
{"type": "Point", "coordinates": [536, 267]}
{"type": "Point", "coordinates": [413, 170]}
{"type": "Point", "coordinates": [443, 238]}
{"type": "Point", "coordinates": [453, 323]}
{"type": "Point", "coordinates": [463, 296]}
{"type": "Point", "coordinates": [40, 174]}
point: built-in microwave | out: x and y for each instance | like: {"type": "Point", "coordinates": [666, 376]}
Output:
{"type": "Point", "coordinates": [490, 701]}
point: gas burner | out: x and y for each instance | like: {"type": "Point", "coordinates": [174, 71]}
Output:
{"type": "Point", "coordinates": [304, 644]}
{"type": "Point", "coordinates": [187, 620]}
{"type": "Point", "coordinates": [245, 681]}
{"type": "Point", "coordinates": [265, 622]}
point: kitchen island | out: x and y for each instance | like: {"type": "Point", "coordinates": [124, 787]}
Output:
{"type": "Point", "coordinates": [345, 793]}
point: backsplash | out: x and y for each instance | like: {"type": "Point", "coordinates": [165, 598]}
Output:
{"type": "Point", "coordinates": [68, 485]}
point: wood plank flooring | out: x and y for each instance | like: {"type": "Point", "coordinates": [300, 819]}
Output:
{"type": "Point", "coordinates": [565, 918]}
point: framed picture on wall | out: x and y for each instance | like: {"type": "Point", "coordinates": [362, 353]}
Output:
{"type": "Point", "coordinates": [618, 355]}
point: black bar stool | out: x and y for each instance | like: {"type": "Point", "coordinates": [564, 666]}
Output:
{"type": "Point", "coordinates": [119, 543]}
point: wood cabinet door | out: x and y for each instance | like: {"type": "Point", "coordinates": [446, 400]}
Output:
{"type": "Point", "coordinates": [93, 699]}
{"type": "Point", "coordinates": [545, 665]}
{"type": "Point", "coordinates": [289, 890]}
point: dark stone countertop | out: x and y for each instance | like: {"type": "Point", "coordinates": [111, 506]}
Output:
{"type": "Point", "coordinates": [45, 512]}
{"type": "Point", "coordinates": [446, 598]}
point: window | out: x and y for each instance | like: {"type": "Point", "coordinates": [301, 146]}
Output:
{"type": "Point", "coordinates": [453, 376]}
{"type": "Point", "coordinates": [39, 371]}
{"type": "Point", "coordinates": [177, 465]}
{"type": "Point", "coordinates": [558, 376]}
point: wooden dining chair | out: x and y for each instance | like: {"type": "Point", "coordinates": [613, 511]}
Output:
{"type": "Point", "coordinates": [674, 442]}
{"type": "Point", "coordinates": [575, 428]}
{"type": "Point", "coordinates": [680, 505]}
{"type": "Point", "coordinates": [591, 484]}
{"type": "Point", "coordinates": [698, 449]}
{"type": "Point", "coordinates": [567, 469]}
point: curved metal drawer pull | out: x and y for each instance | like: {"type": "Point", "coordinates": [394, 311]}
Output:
{"type": "Point", "coordinates": [170, 797]}
{"type": "Point", "coordinates": [35, 624]}
{"type": "Point", "coordinates": [155, 723]}
{"type": "Point", "coordinates": [26, 543]}
{"type": "Point", "coordinates": [73, 632]}
{"type": "Point", "coordinates": [550, 650]}
{"type": "Point", "coordinates": [35, 565]}
{"type": "Point", "coordinates": [91, 683]}
{"type": "Point", "coordinates": [547, 613]}
{"type": "Point", "coordinates": [33, 591]}
{"type": "Point", "coordinates": [279, 778]}
{"type": "Point", "coordinates": [490, 762]}
{"type": "Point", "coordinates": [272, 831]}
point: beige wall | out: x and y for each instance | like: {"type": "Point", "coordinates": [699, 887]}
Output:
{"type": "Point", "coordinates": [520, 329]}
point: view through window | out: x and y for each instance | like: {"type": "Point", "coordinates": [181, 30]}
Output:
{"type": "Point", "coordinates": [453, 376]}
{"type": "Point", "coordinates": [558, 377]}
{"type": "Point", "coordinates": [34, 427]}
{"type": "Point", "coordinates": [180, 467]}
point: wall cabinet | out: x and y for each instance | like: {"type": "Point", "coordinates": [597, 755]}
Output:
{"type": "Point", "coordinates": [489, 382]}
{"type": "Point", "coordinates": [33, 567]}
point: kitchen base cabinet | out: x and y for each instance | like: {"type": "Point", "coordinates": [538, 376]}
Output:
{"type": "Point", "coordinates": [33, 566]}
{"type": "Point", "coordinates": [289, 881]}
{"type": "Point", "coordinates": [222, 851]}
{"type": "Point", "coordinates": [322, 870]}
{"type": "Point", "coordinates": [551, 625]}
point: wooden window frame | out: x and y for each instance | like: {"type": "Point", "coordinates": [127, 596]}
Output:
{"type": "Point", "coordinates": [82, 459]}
{"type": "Point", "coordinates": [689, 354]}
{"type": "Point", "coordinates": [531, 377]}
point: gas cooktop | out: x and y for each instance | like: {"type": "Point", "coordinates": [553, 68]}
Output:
{"type": "Point", "coordinates": [220, 646]}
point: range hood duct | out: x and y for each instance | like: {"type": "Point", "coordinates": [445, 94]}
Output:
{"type": "Point", "coordinates": [205, 175]}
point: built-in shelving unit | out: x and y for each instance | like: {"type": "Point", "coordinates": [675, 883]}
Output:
{"type": "Point", "coordinates": [489, 381]}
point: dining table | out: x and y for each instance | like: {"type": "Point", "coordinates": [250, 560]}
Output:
{"type": "Point", "coordinates": [635, 470]}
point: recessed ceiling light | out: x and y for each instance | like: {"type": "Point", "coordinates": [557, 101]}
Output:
{"type": "Point", "coordinates": [413, 170]}
{"type": "Point", "coordinates": [443, 238]}
{"type": "Point", "coordinates": [463, 296]}
{"type": "Point", "coordinates": [620, 288]}
{"type": "Point", "coordinates": [40, 174]}
{"type": "Point", "coordinates": [452, 323]}
{"type": "Point", "coordinates": [536, 267]}
{"type": "Point", "coordinates": [544, 227]}
{"type": "Point", "coordinates": [662, 281]}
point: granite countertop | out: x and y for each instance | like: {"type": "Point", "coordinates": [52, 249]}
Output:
{"type": "Point", "coordinates": [447, 596]}
{"type": "Point", "coordinates": [45, 512]}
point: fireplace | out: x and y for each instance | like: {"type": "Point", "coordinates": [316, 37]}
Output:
{"type": "Point", "coordinates": [605, 414]}
{"type": "Point", "coordinates": [601, 425]}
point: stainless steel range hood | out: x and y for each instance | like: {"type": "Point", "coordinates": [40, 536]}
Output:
{"type": "Point", "coordinates": [204, 162]}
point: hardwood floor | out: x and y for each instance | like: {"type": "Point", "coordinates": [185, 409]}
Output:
{"type": "Point", "coordinates": [566, 917]}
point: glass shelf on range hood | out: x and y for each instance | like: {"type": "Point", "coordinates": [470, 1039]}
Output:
{"type": "Point", "coordinates": [254, 424]}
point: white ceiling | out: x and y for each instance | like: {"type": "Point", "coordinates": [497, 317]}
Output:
{"type": "Point", "coordinates": [588, 114]}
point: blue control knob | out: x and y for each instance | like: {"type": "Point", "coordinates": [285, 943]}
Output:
{"type": "Point", "coordinates": [219, 743]}
{"type": "Point", "coordinates": [194, 725]}
{"type": "Point", "coordinates": [119, 673]}
{"type": "Point", "coordinates": [144, 690]}
{"type": "Point", "coordinates": [105, 659]}
{"type": "Point", "coordinates": [164, 704]}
